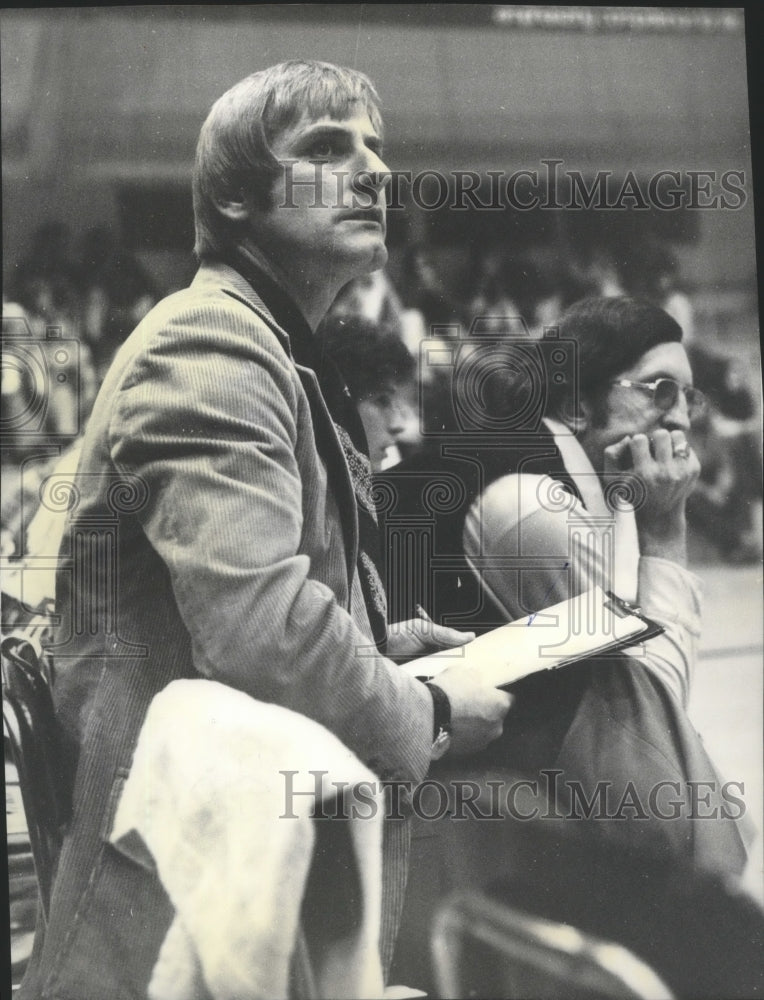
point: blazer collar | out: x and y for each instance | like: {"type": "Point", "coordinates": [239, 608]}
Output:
{"type": "Point", "coordinates": [216, 273]}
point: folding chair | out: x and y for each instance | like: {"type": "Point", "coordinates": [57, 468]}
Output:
{"type": "Point", "coordinates": [484, 948]}
{"type": "Point", "coordinates": [31, 727]}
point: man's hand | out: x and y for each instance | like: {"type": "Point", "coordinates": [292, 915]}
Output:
{"type": "Point", "coordinates": [477, 710]}
{"type": "Point", "coordinates": [668, 469]}
{"type": "Point", "coordinates": [416, 637]}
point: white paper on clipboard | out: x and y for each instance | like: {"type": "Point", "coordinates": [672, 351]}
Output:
{"type": "Point", "coordinates": [592, 623]}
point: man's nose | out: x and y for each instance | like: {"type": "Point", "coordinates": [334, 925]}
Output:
{"type": "Point", "coordinates": [370, 171]}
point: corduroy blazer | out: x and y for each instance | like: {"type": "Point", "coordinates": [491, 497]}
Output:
{"type": "Point", "coordinates": [212, 533]}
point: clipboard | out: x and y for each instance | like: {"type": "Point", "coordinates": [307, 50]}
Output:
{"type": "Point", "coordinates": [591, 624]}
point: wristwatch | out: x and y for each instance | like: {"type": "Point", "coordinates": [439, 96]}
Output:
{"type": "Point", "coordinates": [441, 724]}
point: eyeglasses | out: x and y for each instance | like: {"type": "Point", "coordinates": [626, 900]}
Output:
{"type": "Point", "coordinates": [665, 392]}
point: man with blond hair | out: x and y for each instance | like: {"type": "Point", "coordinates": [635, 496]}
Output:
{"type": "Point", "coordinates": [237, 558]}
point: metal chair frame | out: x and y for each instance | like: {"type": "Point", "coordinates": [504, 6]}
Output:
{"type": "Point", "coordinates": [533, 956]}
{"type": "Point", "coordinates": [31, 726]}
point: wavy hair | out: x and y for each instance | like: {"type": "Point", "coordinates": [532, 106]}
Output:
{"type": "Point", "coordinates": [233, 154]}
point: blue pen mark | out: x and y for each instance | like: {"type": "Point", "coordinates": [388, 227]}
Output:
{"type": "Point", "coordinates": [532, 617]}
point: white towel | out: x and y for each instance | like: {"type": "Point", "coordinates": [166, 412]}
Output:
{"type": "Point", "coordinates": [208, 797]}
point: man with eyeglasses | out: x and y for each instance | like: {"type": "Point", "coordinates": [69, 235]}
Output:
{"type": "Point", "coordinates": [619, 450]}
{"type": "Point", "coordinates": [594, 497]}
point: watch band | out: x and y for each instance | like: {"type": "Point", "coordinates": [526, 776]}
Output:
{"type": "Point", "coordinates": [441, 721]}
{"type": "Point", "coordinates": [441, 718]}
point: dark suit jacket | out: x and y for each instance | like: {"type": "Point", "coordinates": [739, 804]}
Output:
{"type": "Point", "coordinates": [213, 534]}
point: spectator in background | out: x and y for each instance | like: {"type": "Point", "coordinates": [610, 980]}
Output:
{"type": "Point", "coordinates": [371, 304]}
{"type": "Point", "coordinates": [628, 410]}
{"type": "Point", "coordinates": [49, 300]}
{"type": "Point", "coordinates": [725, 506]}
{"type": "Point", "coordinates": [608, 416]}
{"type": "Point", "coordinates": [532, 526]}
{"type": "Point", "coordinates": [544, 286]}
{"type": "Point", "coordinates": [38, 528]}
{"type": "Point", "coordinates": [379, 372]}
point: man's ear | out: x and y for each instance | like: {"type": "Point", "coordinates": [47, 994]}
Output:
{"type": "Point", "coordinates": [236, 209]}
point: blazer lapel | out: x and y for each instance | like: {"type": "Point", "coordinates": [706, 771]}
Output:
{"type": "Point", "coordinates": [327, 442]}
{"type": "Point", "coordinates": [330, 449]}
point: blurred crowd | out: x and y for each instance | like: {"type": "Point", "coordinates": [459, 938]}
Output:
{"type": "Point", "coordinates": [512, 295]}
{"type": "Point", "coordinates": [68, 306]}
{"type": "Point", "coordinates": [66, 310]}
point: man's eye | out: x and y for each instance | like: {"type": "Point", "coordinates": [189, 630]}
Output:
{"type": "Point", "coordinates": [322, 150]}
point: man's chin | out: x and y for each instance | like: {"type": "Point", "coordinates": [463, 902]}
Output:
{"type": "Point", "coordinates": [369, 254]}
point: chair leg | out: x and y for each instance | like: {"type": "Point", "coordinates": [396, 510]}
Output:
{"type": "Point", "coordinates": [302, 981]}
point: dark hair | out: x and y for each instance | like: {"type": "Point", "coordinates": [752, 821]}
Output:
{"type": "Point", "coordinates": [611, 335]}
{"type": "Point", "coordinates": [370, 356]}
{"type": "Point", "coordinates": [233, 153]}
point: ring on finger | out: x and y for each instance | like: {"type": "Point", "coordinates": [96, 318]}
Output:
{"type": "Point", "coordinates": [683, 451]}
